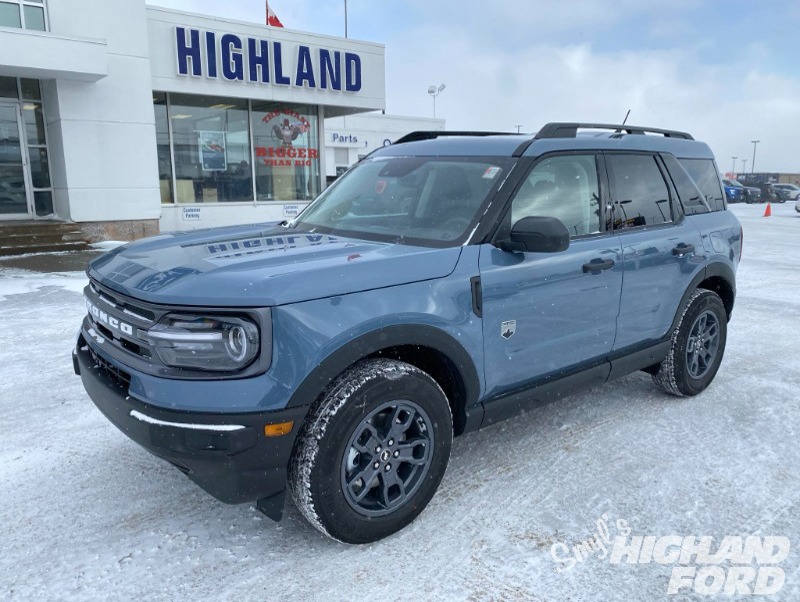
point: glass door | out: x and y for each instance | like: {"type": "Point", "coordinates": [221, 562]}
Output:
{"type": "Point", "coordinates": [14, 193]}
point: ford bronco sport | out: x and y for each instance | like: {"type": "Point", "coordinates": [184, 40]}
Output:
{"type": "Point", "coordinates": [444, 283]}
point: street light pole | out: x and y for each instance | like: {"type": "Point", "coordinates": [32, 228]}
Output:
{"type": "Point", "coordinates": [519, 125]}
{"type": "Point", "coordinates": [434, 91]}
{"type": "Point", "coordinates": [753, 164]}
{"type": "Point", "coordinates": [345, 18]}
{"type": "Point", "coordinates": [733, 170]}
{"type": "Point", "coordinates": [744, 166]}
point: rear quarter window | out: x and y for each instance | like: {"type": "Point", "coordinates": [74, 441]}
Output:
{"type": "Point", "coordinates": [704, 173]}
{"type": "Point", "coordinates": [691, 197]}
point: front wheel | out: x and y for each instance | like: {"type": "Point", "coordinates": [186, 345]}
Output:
{"type": "Point", "coordinates": [696, 346]}
{"type": "Point", "coordinates": [372, 452]}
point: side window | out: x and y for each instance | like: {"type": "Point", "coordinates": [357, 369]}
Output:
{"type": "Point", "coordinates": [564, 187]}
{"type": "Point", "coordinates": [638, 191]}
{"type": "Point", "coordinates": [692, 199]}
{"type": "Point", "coordinates": [704, 173]}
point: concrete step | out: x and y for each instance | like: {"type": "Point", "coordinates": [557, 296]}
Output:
{"type": "Point", "coordinates": [10, 240]}
{"type": "Point", "coordinates": [22, 238]}
{"type": "Point", "coordinates": [7, 251]}
{"type": "Point", "coordinates": [27, 227]}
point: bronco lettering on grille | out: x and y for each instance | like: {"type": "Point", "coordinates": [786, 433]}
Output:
{"type": "Point", "coordinates": [110, 321]}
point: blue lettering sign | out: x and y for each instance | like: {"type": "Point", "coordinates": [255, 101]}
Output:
{"type": "Point", "coordinates": [330, 68]}
{"type": "Point", "coordinates": [211, 54]}
{"type": "Point", "coordinates": [232, 59]}
{"type": "Point", "coordinates": [187, 52]}
{"type": "Point", "coordinates": [280, 78]}
{"type": "Point", "coordinates": [226, 56]}
{"type": "Point", "coordinates": [352, 70]}
{"type": "Point", "coordinates": [305, 71]}
{"type": "Point", "coordinates": [259, 62]}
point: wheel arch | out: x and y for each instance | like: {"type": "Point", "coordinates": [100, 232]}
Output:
{"type": "Point", "coordinates": [428, 348]}
{"type": "Point", "coordinates": [717, 277]}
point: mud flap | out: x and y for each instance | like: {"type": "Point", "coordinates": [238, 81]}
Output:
{"type": "Point", "coordinates": [272, 507]}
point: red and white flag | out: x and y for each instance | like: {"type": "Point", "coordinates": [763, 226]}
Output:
{"type": "Point", "coordinates": [272, 18]}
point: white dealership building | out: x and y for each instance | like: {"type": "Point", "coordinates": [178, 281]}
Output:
{"type": "Point", "coordinates": [129, 119]}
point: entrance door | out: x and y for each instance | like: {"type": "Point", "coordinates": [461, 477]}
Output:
{"type": "Point", "coordinates": [15, 199]}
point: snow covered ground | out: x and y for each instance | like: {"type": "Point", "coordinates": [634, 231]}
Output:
{"type": "Point", "coordinates": [85, 514]}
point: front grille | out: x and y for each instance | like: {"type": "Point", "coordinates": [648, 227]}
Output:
{"type": "Point", "coordinates": [118, 326]}
{"type": "Point", "coordinates": [114, 310]}
{"type": "Point", "coordinates": [117, 377]}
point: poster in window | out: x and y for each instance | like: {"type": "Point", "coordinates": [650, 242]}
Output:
{"type": "Point", "coordinates": [212, 151]}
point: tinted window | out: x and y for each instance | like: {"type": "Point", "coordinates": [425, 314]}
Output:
{"type": "Point", "coordinates": [564, 188]}
{"type": "Point", "coordinates": [691, 197]}
{"type": "Point", "coordinates": [639, 193]}
{"type": "Point", "coordinates": [704, 173]}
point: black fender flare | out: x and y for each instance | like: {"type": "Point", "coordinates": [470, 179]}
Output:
{"type": "Point", "coordinates": [386, 338]}
{"type": "Point", "coordinates": [718, 269]}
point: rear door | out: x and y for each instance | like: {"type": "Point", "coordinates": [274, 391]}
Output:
{"type": "Point", "coordinates": [546, 313]}
{"type": "Point", "coordinates": [662, 250]}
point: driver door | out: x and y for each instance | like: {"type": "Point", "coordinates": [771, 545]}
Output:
{"type": "Point", "coordinates": [546, 313]}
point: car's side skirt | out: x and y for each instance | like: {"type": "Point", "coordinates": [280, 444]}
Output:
{"type": "Point", "coordinates": [555, 387]}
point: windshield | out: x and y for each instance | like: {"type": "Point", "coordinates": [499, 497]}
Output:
{"type": "Point", "coordinates": [732, 183]}
{"type": "Point", "coordinates": [413, 200]}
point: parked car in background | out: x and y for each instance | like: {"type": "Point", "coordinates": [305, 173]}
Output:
{"type": "Point", "coordinates": [769, 194]}
{"type": "Point", "coordinates": [752, 194]}
{"type": "Point", "coordinates": [734, 191]}
{"type": "Point", "coordinates": [797, 206]}
{"type": "Point", "coordinates": [792, 192]}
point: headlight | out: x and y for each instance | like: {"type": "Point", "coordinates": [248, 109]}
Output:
{"type": "Point", "coordinates": [218, 343]}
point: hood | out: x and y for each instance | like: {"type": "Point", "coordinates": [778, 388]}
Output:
{"type": "Point", "coordinates": [262, 265]}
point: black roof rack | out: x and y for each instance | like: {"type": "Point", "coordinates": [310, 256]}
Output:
{"type": "Point", "coordinates": [415, 136]}
{"type": "Point", "coordinates": [570, 130]}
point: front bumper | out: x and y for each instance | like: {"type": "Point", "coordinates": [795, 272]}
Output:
{"type": "Point", "coordinates": [228, 455]}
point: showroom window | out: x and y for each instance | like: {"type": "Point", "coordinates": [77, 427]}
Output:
{"type": "Point", "coordinates": [205, 154]}
{"type": "Point", "coordinates": [286, 140]}
{"type": "Point", "coordinates": [163, 147]}
{"type": "Point", "coordinates": [211, 149]}
{"type": "Point", "coordinates": [27, 14]}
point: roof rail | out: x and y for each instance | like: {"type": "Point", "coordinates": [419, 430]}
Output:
{"type": "Point", "coordinates": [415, 136]}
{"type": "Point", "coordinates": [570, 130]}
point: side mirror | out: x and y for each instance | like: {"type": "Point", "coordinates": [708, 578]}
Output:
{"type": "Point", "coordinates": [537, 235]}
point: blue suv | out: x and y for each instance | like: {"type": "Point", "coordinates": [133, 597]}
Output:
{"type": "Point", "coordinates": [445, 283]}
{"type": "Point", "coordinates": [734, 191]}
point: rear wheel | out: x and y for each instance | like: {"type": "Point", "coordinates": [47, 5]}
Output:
{"type": "Point", "coordinates": [696, 346]}
{"type": "Point", "coordinates": [372, 452]}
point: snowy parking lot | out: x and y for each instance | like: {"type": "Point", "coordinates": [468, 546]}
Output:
{"type": "Point", "coordinates": [85, 514]}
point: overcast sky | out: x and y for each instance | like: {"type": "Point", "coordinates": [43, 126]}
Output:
{"type": "Point", "coordinates": [727, 72]}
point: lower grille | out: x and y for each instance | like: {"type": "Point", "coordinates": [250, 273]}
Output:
{"type": "Point", "coordinates": [118, 378]}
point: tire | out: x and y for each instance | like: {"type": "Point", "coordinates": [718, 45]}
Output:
{"type": "Point", "coordinates": [687, 371]}
{"type": "Point", "coordinates": [353, 473]}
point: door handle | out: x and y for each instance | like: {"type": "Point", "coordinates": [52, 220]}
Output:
{"type": "Point", "coordinates": [682, 249]}
{"type": "Point", "coordinates": [595, 266]}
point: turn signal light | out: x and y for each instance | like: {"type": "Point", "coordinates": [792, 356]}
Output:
{"type": "Point", "coordinates": [278, 429]}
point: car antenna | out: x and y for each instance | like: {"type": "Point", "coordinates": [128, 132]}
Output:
{"type": "Point", "coordinates": [624, 121]}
